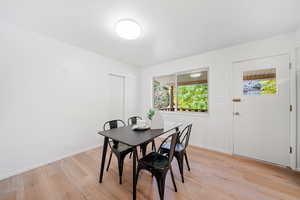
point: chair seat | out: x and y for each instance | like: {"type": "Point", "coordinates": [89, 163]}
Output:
{"type": "Point", "coordinates": [122, 147]}
{"type": "Point", "coordinates": [155, 160]}
{"type": "Point", "coordinates": [167, 146]}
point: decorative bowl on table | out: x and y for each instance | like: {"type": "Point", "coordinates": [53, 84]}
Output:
{"type": "Point", "coordinates": [141, 125]}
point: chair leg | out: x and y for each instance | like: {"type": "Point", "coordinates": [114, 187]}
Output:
{"type": "Point", "coordinates": [187, 162]}
{"type": "Point", "coordinates": [153, 146]}
{"type": "Point", "coordinates": [173, 180]}
{"type": "Point", "coordinates": [108, 164]}
{"type": "Point", "coordinates": [137, 174]}
{"type": "Point", "coordinates": [120, 165]}
{"type": "Point", "coordinates": [179, 158]}
{"type": "Point", "coordinates": [144, 149]}
{"type": "Point", "coordinates": [161, 180]}
{"type": "Point", "coordinates": [137, 157]}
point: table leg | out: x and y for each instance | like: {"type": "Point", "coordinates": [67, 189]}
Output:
{"type": "Point", "coordinates": [134, 173]}
{"type": "Point", "coordinates": [104, 150]}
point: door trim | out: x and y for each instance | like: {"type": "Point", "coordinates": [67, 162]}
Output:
{"type": "Point", "coordinates": [293, 116]}
{"type": "Point", "coordinates": [293, 100]}
{"type": "Point", "coordinates": [125, 92]}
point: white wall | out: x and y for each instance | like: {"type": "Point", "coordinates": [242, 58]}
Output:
{"type": "Point", "coordinates": [214, 130]}
{"type": "Point", "coordinates": [53, 98]}
{"type": "Point", "coordinates": [297, 36]}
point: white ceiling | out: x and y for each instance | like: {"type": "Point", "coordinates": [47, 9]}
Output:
{"type": "Point", "coordinates": [171, 28]}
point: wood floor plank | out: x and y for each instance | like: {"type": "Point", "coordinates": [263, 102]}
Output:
{"type": "Point", "coordinates": [213, 176]}
{"type": "Point", "coordinates": [9, 196]}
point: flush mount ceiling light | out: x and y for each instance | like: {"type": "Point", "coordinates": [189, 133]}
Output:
{"type": "Point", "coordinates": [195, 75]}
{"type": "Point", "coordinates": [128, 29]}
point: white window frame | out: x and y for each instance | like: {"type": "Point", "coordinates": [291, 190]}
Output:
{"type": "Point", "coordinates": [189, 113]}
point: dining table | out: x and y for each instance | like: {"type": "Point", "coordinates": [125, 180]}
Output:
{"type": "Point", "coordinates": [133, 138]}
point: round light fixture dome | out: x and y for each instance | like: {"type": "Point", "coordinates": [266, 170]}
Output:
{"type": "Point", "coordinates": [128, 29]}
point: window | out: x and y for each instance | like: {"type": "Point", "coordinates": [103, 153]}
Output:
{"type": "Point", "coordinates": [163, 92]}
{"type": "Point", "coordinates": [259, 82]}
{"type": "Point", "coordinates": [181, 92]}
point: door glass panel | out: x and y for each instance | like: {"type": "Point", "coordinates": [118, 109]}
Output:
{"type": "Point", "coordinates": [259, 82]}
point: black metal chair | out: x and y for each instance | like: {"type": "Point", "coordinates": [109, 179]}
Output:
{"type": "Point", "coordinates": [119, 149]}
{"type": "Point", "coordinates": [143, 147]}
{"type": "Point", "coordinates": [159, 164]}
{"type": "Point", "coordinates": [180, 150]}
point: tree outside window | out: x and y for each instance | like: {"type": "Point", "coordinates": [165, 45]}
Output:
{"type": "Point", "coordinates": [181, 92]}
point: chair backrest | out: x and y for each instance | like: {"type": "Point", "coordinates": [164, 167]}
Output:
{"type": "Point", "coordinates": [113, 124]}
{"type": "Point", "coordinates": [133, 120]}
{"type": "Point", "coordinates": [174, 137]}
{"type": "Point", "coordinates": [184, 135]}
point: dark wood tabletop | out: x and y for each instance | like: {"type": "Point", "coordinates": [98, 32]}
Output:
{"type": "Point", "coordinates": [133, 138]}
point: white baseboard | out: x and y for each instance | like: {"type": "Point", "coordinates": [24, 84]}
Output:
{"type": "Point", "coordinates": [214, 149]}
{"type": "Point", "coordinates": [19, 171]}
{"type": "Point", "coordinates": [229, 153]}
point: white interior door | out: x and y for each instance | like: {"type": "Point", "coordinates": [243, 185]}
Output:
{"type": "Point", "coordinates": [261, 109]}
{"type": "Point", "coordinates": [116, 97]}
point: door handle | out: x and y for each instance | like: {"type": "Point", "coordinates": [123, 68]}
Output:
{"type": "Point", "coordinates": [236, 100]}
{"type": "Point", "coordinates": [236, 113]}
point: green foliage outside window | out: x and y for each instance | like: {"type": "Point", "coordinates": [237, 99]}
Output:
{"type": "Point", "coordinates": [268, 86]}
{"type": "Point", "coordinates": [193, 97]}
{"type": "Point", "coordinates": [187, 98]}
{"type": "Point", "coordinates": [253, 87]}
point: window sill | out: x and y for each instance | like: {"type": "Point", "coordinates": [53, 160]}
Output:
{"type": "Point", "coordinates": [184, 113]}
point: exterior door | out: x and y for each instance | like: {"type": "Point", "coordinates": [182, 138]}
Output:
{"type": "Point", "coordinates": [116, 97]}
{"type": "Point", "coordinates": [262, 109]}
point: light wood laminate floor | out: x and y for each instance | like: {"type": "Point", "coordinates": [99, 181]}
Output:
{"type": "Point", "coordinates": [213, 176]}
